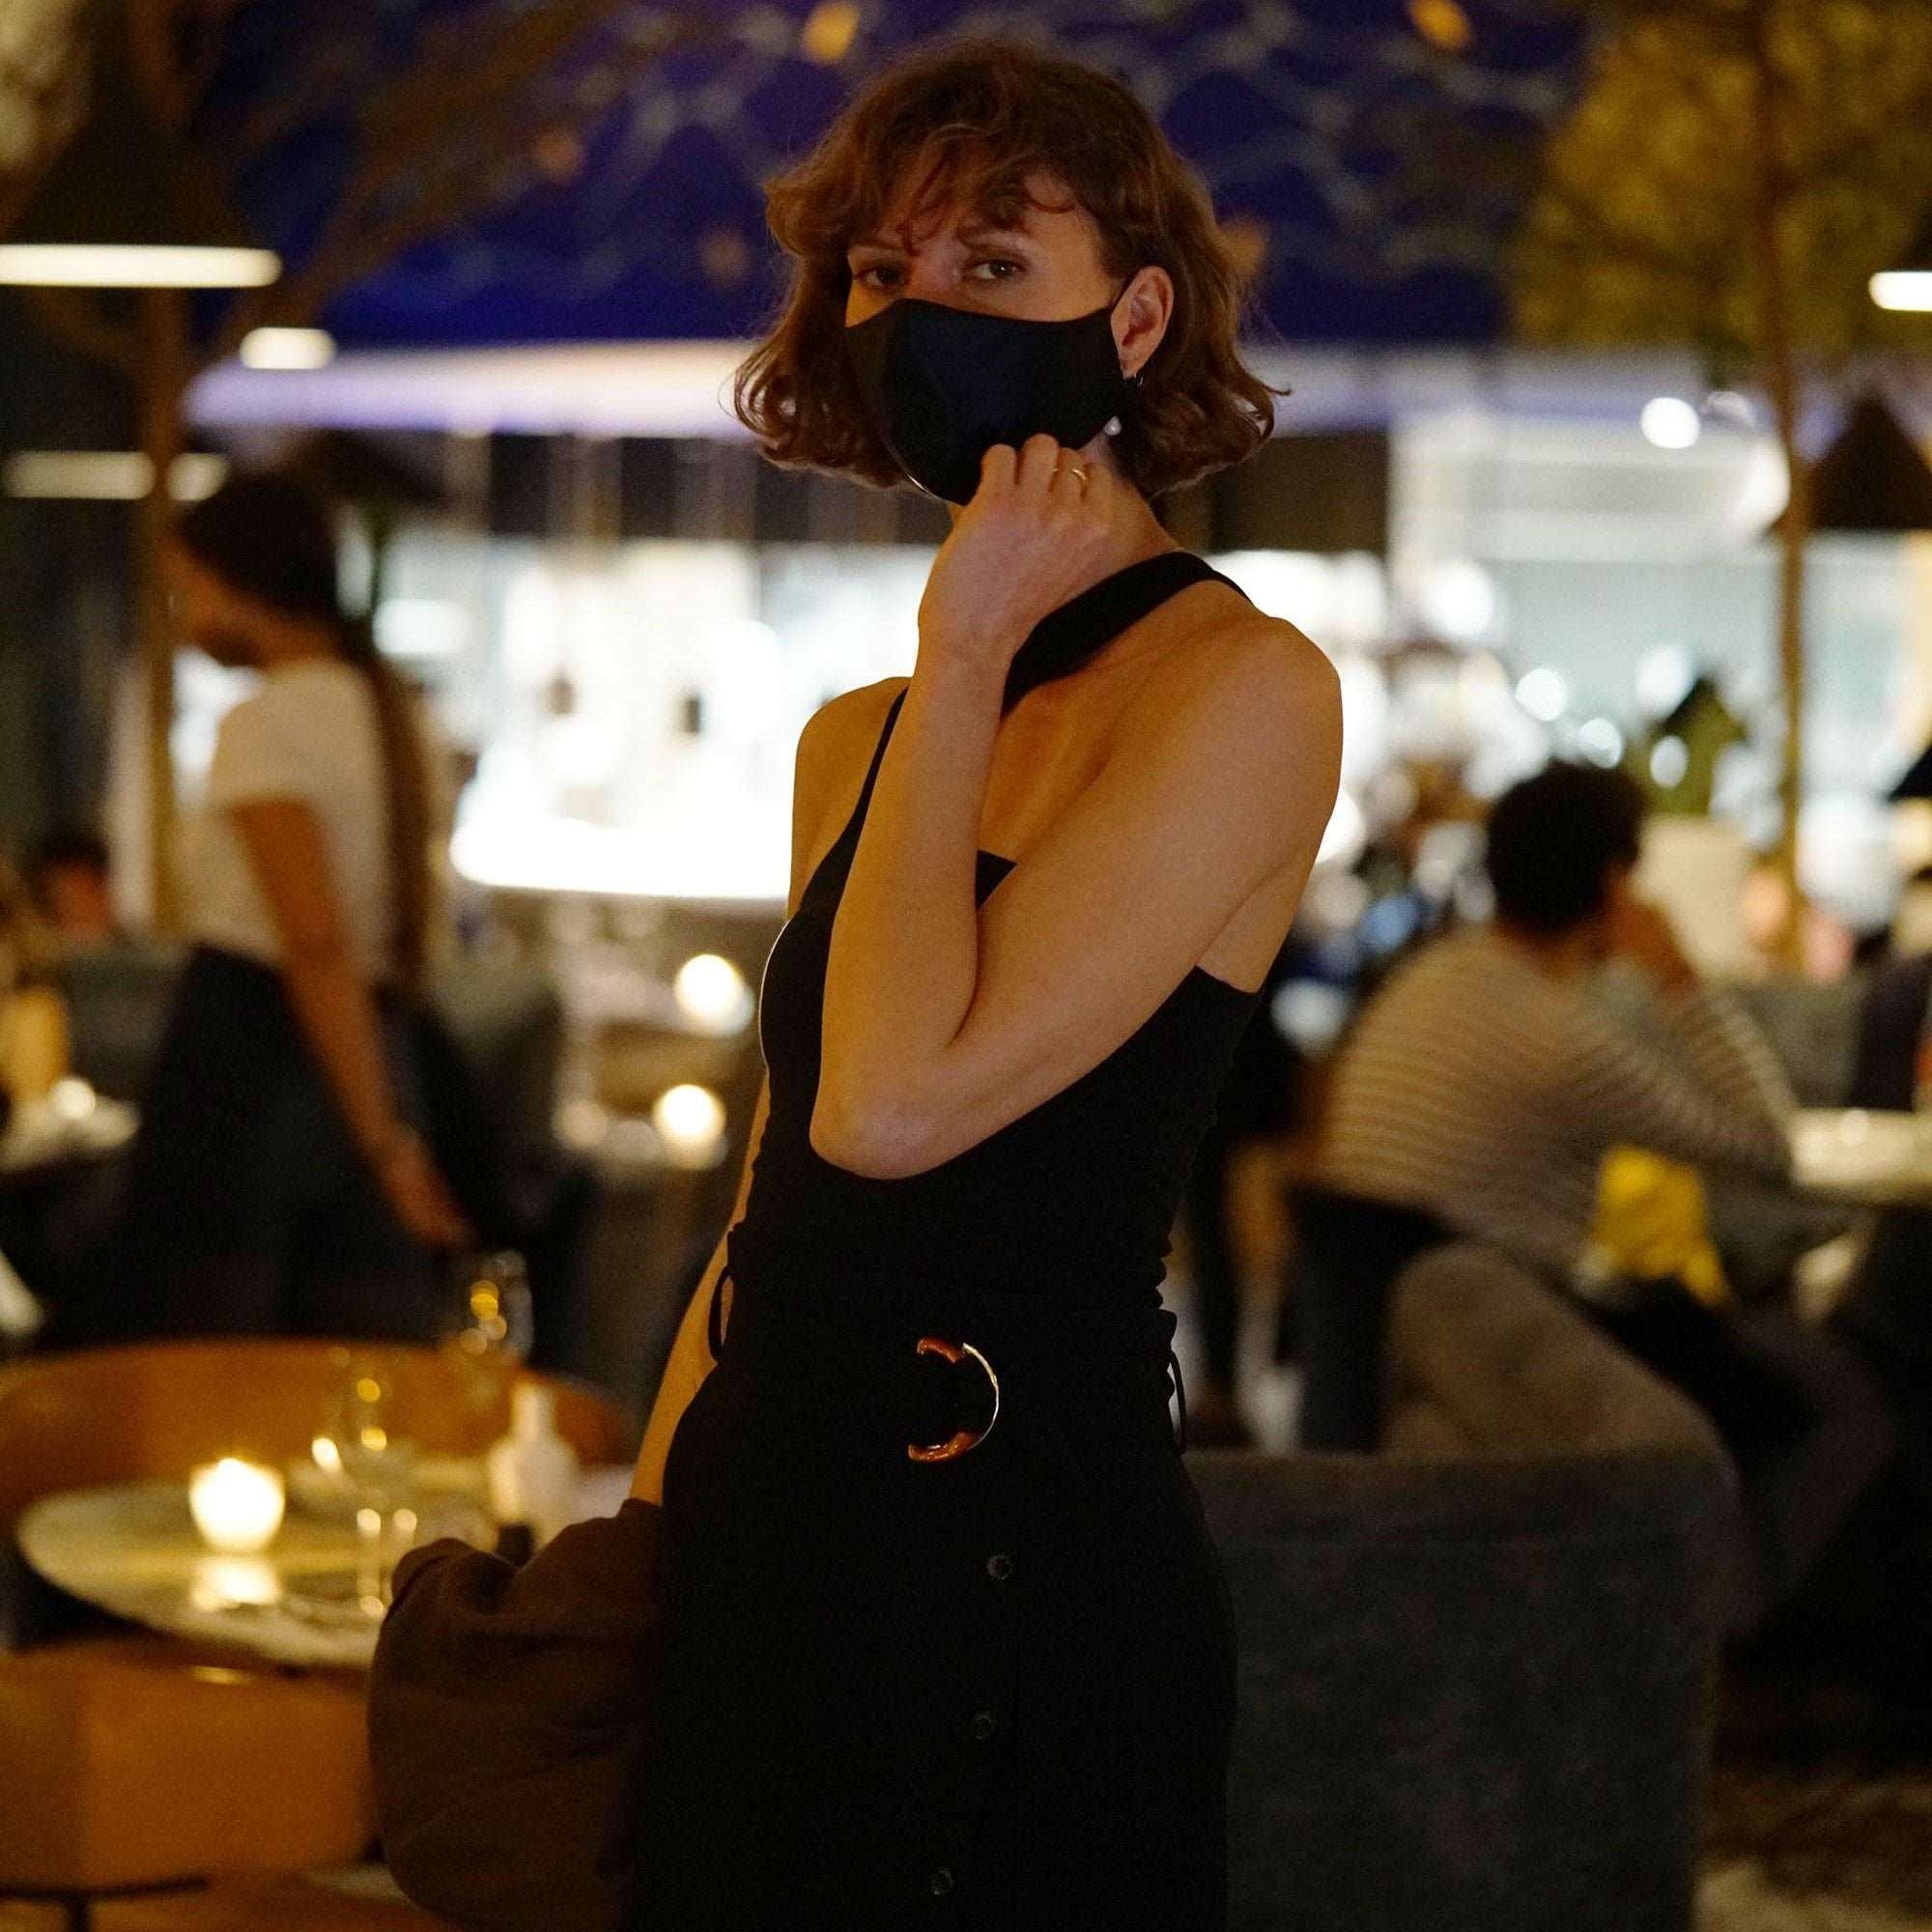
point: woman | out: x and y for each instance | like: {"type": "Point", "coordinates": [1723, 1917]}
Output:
{"type": "Point", "coordinates": [34, 1055]}
{"type": "Point", "coordinates": [278, 1184]}
{"type": "Point", "coordinates": [944, 1641]}
{"type": "Point", "coordinates": [33, 1018]}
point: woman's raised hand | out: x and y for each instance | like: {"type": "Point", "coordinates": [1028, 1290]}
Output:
{"type": "Point", "coordinates": [1043, 526]}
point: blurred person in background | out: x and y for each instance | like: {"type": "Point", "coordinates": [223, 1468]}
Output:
{"type": "Point", "coordinates": [1910, 934]}
{"type": "Point", "coordinates": [280, 1182]}
{"type": "Point", "coordinates": [32, 1057]}
{"type": "Point", "coordinates": [1828, 948]}
{"type": "Point", "coordinates": [1485, 1090]}
{"type": "Point", "coordinates": [1257, 1103]}
{"type": "Point", "coordinates": [1892, 1067]}
{"type": "Point", "coordinates": [1485, 1086]}
{"type": "Point", "coordinates": [33, 1020]}
{"type": "Point", "coordinates": [70, 876]}
{"type": "Point", "coordinates": [1886, 1311]}
{"type": "Point", "coordinates": [1480, 1089]}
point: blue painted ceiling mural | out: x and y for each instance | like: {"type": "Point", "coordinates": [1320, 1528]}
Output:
{"type": "Point", "coordinates": [643, 216]}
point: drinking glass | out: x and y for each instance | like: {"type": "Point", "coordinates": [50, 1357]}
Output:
{"type": "Point", "coordinates": [375, 1468]}
{"type": "Point", "coordinates": [486, 1324]}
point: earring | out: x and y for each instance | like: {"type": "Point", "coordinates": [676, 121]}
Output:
{"type": "Point", "coordinates": [1113, 426]}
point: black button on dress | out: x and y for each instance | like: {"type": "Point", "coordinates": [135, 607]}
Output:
{"type": "Point", "coordinates": [989, 1692]}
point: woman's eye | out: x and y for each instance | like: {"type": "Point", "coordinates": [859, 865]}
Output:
{"type": "Point", "coordinates": [996, 269]}
{"type": "Point", "coordinates": [877, 275]}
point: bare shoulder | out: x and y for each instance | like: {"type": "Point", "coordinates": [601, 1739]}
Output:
{"type": "Point", "coordinates": [1240, 724]}
{"type": "Point", "coordinates": [860, 711]}
{"type": "Point", "coordinates": [842, 729]}
{"type": "Point", "coordinates": [1245, 677]}
{"type": "Point", "coordinates": [834, 749]}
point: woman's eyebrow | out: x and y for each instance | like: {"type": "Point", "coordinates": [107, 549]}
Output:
{"type": "Point", "coordinates": [975, 231]}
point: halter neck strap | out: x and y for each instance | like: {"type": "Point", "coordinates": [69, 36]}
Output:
{"type": "Point", "coordinates": [1065, 638]}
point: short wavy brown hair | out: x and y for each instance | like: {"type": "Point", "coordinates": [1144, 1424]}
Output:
{"type": "Point", "coordinates": [981, 118]}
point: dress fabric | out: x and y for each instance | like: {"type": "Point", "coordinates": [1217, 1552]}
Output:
{"type": "Point", "coordinates": [994, 1691]}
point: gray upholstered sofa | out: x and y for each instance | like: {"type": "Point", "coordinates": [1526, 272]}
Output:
{"type": "Point", "coordinates": [1477, 1672]}
{"type": "Point", "coordinates": [1482, 1358]}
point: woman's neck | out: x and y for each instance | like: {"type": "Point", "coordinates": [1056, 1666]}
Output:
{"type": "Point", "coordinates": [287, 642]}
{"type": "Point", "coordinates": [1556, 955]}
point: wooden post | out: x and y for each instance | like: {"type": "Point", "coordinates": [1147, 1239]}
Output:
{"type": "Point", "coordinates": [1778, 352]}
{"type": "Point", "coordinates": [160, 392]}
{"type": "Point", "coordinates": [1794, 534]}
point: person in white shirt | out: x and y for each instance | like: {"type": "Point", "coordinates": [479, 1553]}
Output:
{"type": "Point", "coordinates": [277, 1140]}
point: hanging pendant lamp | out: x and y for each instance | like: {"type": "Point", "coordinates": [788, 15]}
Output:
{"type": "Point", "coordinates": [125, 206]}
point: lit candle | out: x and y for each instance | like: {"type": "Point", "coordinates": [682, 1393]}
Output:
{"type": "Point", "coordinates": [73, 1101]}
{"type": "Point", "coordinates": [237, 1505]}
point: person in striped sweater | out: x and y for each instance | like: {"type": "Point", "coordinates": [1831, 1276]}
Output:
{"type": "Point", "coordinates": [1484, 1086]}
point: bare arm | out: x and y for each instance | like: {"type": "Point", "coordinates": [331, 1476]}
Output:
{"type": "Point", "coordinates": [336, 1008]}
{"type": "Point", "coordinates": [33, 1043]}
{"type": "Point", "coordinates": [945, 1020]}
{"type": "Point", "coordinates": [1617, 1087]}
{"type": "Point", "coordinates": [1729, 1103]}
{"type": "Point", "coordinates": [944, 1023]}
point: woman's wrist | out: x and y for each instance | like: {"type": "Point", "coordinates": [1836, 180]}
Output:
{"type": "Point", "coordinates": [963, 675]}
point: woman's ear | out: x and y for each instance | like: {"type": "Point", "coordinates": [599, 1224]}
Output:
{"type": "Point", "coordinates": [1141, 319]}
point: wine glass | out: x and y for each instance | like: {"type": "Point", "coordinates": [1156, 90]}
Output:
{"type": "Point", "coordinates": [375, 1468]}
{"type": "Point", "coordinates": [486, 1324]}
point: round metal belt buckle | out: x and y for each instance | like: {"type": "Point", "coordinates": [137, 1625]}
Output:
{"type": "Point", "coordinates": [961, 1439]}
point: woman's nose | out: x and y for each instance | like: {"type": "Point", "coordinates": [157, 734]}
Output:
{"type": "Point", "coordinates": [928, 280]}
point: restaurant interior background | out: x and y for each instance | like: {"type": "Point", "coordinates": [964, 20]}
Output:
{"type": "Point", "coordinates": [1510, 548]}
{"type": "Point", "coordinates": [515, 280]}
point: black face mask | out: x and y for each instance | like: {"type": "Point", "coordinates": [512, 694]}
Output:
{"type": "Point", "coordinates": [943, 385]}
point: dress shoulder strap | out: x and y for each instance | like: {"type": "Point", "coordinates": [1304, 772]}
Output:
{"type": "Point", "coordinates": [872, 772]}
{"type": "Point", "coordinates": [1065, 638]}
{"type": "Point", "coordinates": [839, 855]}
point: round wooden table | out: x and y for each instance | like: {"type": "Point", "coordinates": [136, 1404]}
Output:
{"type": "Point", "coordinates": [315, 1596]}
{"type": "Point", "coordinates": [310, 1598]}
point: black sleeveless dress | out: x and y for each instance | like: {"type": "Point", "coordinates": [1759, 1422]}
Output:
{"type": "Point", "coordinates": [995, 1690]}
